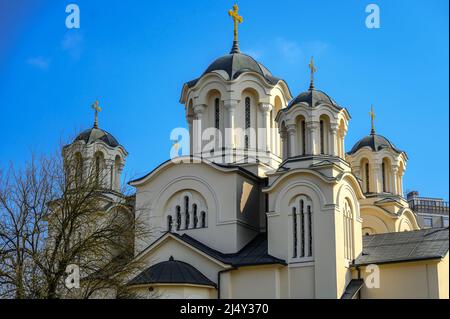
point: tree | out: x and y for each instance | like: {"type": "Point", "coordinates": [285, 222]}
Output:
{"type": "Point", "coordinates": [55, 213]}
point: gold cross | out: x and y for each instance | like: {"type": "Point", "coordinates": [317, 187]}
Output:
{"type": "Point", "coordinates": [313, 70]}
{"type": "Point", "coordinates": [236, 19]}
{"type": "Point", "coordinates": [97, 109]}
{"type": "Point", "coordinates": [372, 117]}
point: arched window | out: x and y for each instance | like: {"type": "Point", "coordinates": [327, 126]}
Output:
{"type": "Point", "coordinates": [383, 177]}
{"type": "Point", "coordinates": [367, 177]}
{"type": "Point", "coordinates": [294, 226]}
{"type": "Point", "coordinates": [217, 113]}
{"type": "Point", "coordinates": [98, 170]}
{"type": "Point", "coordinates": [322, 137]}
{"type": "Point", "coordinates": [78, 169]}
{"type": "Point", "coordinates": [348, 231]}
{"type": "Point", "coordinates": [302, 229]}
{"type": "Point", "coordinates": [302, 225]}
{"type": "Point", "coordinates": [203, 219]}
{"type": "Point", "coordinates": [186, 212]}
{"type": "Point", "coordinates": [247, 121]}
{"type": "Point", "coordinates": [194, 208]}
{"type": "Point", "coordinates": [303, 135]}
{"type": "Point", "coordinates": [169, 223]}
{"type": "Point", "coordinates": [178, 210]}
{"type": "Point", "coordinates": [310, 239]}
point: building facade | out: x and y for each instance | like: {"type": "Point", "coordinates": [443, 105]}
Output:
{"type": "Point", "coordinates": [268, 204]}
{"type": "Point", "coordinates": [431, 212]}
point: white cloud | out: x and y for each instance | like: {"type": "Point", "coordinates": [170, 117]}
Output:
{"type": "Point", "coordinates": [39, 63]}
{"type": "Point", "coordinates": [290, 50]}
{"type": "Point", "coordinates": [72, 43]}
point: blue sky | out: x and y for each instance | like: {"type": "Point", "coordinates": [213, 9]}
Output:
{"type": "Point", "coordinates": [135, 56]}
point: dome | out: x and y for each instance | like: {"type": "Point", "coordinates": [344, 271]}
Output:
{"type": "Point", "coordinates": [236, 63]}
{"type": "Point", "coordinates": [313, 97]}
{"type": "Point", "coordinates": [171, 272]}
{"type": "Point", "coordinates": [95, 134]}
{"type": "Point", "coordinates": [375, 142]}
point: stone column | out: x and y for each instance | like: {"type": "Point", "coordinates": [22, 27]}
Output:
{"type": "Point", "coordinates": [283, 141]}
{"type": "Point", "coordinates": [400, 182]}
{"type": "Point", "coordinates": [344, 134]}
{"type": "Point", "coordinates": [333, 143]}
{"type": "Point", "coordinates": [394, 182]}
{"type": "Point", "coordinates": [375, 171]}
{"type": "Point", "coordinates": [189, 120]}
{"type": "Point", "coordinates": [292, 133]}
{"type": "Point", "coordinates": [312, 148]}
{"type": "Point", "coordinates": [230, 107]}
{"type": "Point", "coordinates": [264, 138]}
{"type": "Point", "coordinates": [197, 129]}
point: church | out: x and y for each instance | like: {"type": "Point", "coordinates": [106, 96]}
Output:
{"type": "Point", "coordinates": [270, 203]}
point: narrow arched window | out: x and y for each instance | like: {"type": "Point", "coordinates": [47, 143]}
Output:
{"type": "Point", "coordinates": [303, 130]}
{"type": "Point", "coordinates": [322, 137]}
{"type": "Point", "coordinates": [383, 176]}
{"type": "Point", "coordinates": [178, 210]}
{"type": "Point", "coordinates": [348, 231]}
{"type": "Point", "coordinates": [78, 169]}
{"type": "Point", "coordinates": [217, 113]}
{"type": "Point", "coordinates": [310, 230]}
{"type": "Point", "coordinates": [97, 170]}
{"type": "Point", "coordinates": [302, 229]}
{"type": "Point", "coordinates": [203, 219]}
{"type": "Point", "coordinates": [367, 177]}
{"type": "Point", "coordinates": [247, 121]}
{"type": "Point", "coordinates": [169, 223]}
{"type": "Point", "coordinates": [294, 230]}
{"type": "Point", "coordinates": [186, 212]}
{"type": "Point", "coordinates": [194, 208]}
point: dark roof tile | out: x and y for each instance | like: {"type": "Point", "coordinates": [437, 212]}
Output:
{"type": "Point", "coordinates": [404, 246]}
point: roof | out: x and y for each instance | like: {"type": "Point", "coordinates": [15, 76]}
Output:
{"type": "Point", "coordinates": [376, 143]}
{"type": "Point", "coordinates": [171, 272]}
{"type": "Point", "coordinates": [192, 159]}
{"type": "Point", "coordinates": [416, 245]}
{"type": "Point", "coordinates": [254, 253]}
{"type": "Point", "coordinates": [353, 287]}
{"type": "Point", "coordinates": [313, 97]}
{"type": "Point", "coordinates": [236, 63]}
{"type": "Point", "coordinates": [95, 134]}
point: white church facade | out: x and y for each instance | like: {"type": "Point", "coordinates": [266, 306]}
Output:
{"type": "Point", "coordinates": [275, 207]}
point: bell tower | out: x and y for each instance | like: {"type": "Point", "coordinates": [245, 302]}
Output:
{"type": "Point", "coordinates": [96, 154]}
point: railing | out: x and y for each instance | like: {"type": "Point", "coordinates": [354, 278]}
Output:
{"type": "Point", "coordinates": [428, 206]}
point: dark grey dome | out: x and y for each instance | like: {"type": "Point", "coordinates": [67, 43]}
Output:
{"type": "Point", "coordinates": [95, 134]}
{"type": "Point", "coordinates": [375, 142]}
{"type": "Point", "coordinates": [235, 64]}
{"type": "Point", "coordinates": [313, 97]}
{"type": "Point", "coordinates": [171, 272]}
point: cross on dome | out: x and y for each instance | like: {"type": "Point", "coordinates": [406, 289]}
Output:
{"type": "Point", "coordinates": [234, 14]}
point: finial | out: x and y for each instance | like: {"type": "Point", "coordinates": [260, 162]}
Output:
{"type": "Point", "coordinates": [313, 70]}
{"type": "Point", "coordinates": [236, 19]}
{"type": "Point", "coordinates": [372, 116]}
{"type": "Point", "coordinates": [97, 109]}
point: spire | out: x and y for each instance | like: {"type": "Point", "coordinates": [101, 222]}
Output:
{"type": "Point", "coordinates": [234, 14]}
{"type": "Point", "coordinates": [372, 116]}
{"type": "Point", "coordinates": [97, 109]}
{"type": "Point", "coordinates": [313, 70]}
